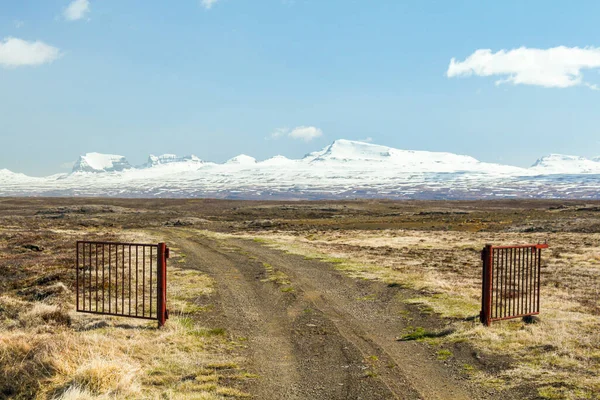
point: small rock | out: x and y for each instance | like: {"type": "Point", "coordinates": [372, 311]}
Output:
{"type": "Point", "coordinates": [531, 319]}
{"type": "Point", "coordinates": [33, 247]}
{"type": "Point", "coordinates": [46, 279]}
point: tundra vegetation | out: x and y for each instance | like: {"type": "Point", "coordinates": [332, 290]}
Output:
{"type": "Point", "coordinates": [48, 351]}
{"type": "Point", "coordinates": [431, 249]}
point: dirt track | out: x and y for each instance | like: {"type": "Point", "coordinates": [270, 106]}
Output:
{"type": "Point", "coordinates": [332, 337]}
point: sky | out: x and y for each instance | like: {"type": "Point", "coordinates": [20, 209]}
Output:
{"type": "Point", "coordinates": [504, 82]}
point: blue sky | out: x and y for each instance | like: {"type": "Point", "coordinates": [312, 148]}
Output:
{"type": "Point", "coordinates": [269, 77]}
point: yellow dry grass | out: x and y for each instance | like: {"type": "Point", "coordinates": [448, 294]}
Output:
{"type": "Point", "coordinates": [47, 351]}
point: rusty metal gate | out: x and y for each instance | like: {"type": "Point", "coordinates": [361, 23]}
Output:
{"type": "Point", "coordinates": [511, 281]}
{"type": "Point", "coordinates": [122, 279]}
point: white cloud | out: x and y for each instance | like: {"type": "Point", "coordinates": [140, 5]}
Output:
{"type": "Point", "coordinates": [208, 3]}
{"type": "Point", "coordinates": [368, 139]}
{"type": "Point", "coordinates": [18, 52]}
{"type": "Point", "coordinates": [557, 67]}
{"type": "Point", "coordinates": [306, 133]}
{"type": "Point", "coordinates": [592, 86]}
{"type": "Point", "coordinates": [77, 9]}
{"type": "Point", "coordinates": [279, 132]}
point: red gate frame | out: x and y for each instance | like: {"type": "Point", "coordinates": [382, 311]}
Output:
{"type": "Point", "coordinates": [162, 313]}
{"type": "Point", "coordinates": [485, 315]}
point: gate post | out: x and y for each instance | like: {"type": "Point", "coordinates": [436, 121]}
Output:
{"type": "Point", "coordinates": [163, 254]}
{"type": "Point", "coordinates": [486, 286]}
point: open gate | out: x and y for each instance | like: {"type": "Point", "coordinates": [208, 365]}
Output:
{"type": "Point", "coordinates": [511, 281]}
{"type": "Point", "coordinates": [122, 279]}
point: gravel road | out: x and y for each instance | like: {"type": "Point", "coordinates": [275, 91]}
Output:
{"type": "Point", "coordinates": [330, 337]}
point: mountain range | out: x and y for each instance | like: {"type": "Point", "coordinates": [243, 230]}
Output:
{"type": "Point", "coordinates": [344, 169]}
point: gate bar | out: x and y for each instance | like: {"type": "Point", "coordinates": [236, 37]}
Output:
{"type": "Point", "coordinates": [485, 315]}
{"type": "Point", "coordinates": [163, 254]}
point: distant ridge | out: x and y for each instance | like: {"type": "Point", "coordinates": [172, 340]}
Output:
{"type": "Point", "coordinates": [169, 159]}
{"type": "Point", "coordinates": [349, 151]}
{"type": "Point", "coordinates": [343, 169]}
{"type": "Point", "coordinates": [563, 164]}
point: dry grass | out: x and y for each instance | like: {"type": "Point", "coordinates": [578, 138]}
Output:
{"type": "Point", "coordinates": [49, 352]}
{"type": "Point", "coordinates": [561, 355]}
{"type": "Point", "coordinates": [46, 351]}
{"type": "Point", "coordinates": [274, 275]}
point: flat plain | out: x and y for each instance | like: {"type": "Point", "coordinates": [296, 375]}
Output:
{"type": "Point", "coordinates": [301, 300]}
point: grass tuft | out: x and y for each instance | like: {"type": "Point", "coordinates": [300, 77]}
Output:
{"type": "Point", "coordinates": [103, 376]}
{"type": "Point", "coordinates": [443, 354]}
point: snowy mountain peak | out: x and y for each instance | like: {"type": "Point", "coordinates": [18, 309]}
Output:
{"type": "Point", "coordinates": [97, 162]}
{"type": "Point", "coordinates": [242, 159]}
{"type": "Point", "coordinates": [277, 160]}
{"type": "Point", "coordinates": [169, 159]}
{"type": "Point", "coordinates": [8, 173]}
{"type": "Point", "coordinates": [347, 150]}
{"type": "Point", "coordinates": [5, 173]}
{"type": "Point", "coordinates": [557, 158]}
{"type": "Point", "coordinates": [9, 176]}
{"type": "Point", "coordinates": [566, 164]}
{"type": "Point", "coordinates": [353, 152]}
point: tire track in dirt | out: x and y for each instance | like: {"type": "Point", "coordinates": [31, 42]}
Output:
{"type": "Point", "coordinates": [293, 346]}
{"type": "Point", "coordinates": [369, 315]}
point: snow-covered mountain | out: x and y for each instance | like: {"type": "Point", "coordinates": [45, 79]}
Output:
{"type": "Point", "coordinates": [97, 162]}
{"type": "Point", "coordinates": [170, 159]}
{"type": "Point", "coordinates": [9, 176]}
{"type": "Point", "coordinates": [277, 160]}
{"type": "Point", "coordinates": [562, 164]}
{"type": "Point", "coordinates": [242, 159]}
{"type": "Point", "coordinates": [344, 169]}
{"type": "Point", "coordinates": [358, 153]}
